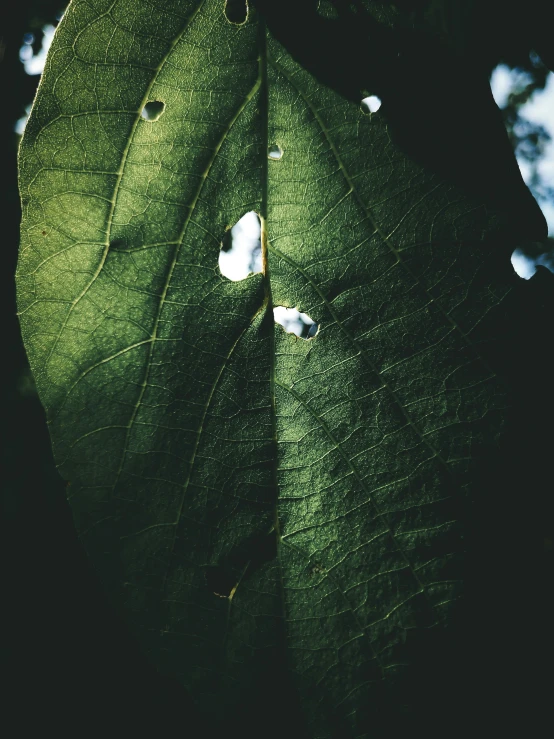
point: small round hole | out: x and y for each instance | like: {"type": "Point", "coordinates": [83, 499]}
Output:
{"type": "Point", "coordinates": [275, 152]}
{"type": "Point", "coordinates": [152, 110]}
{"type": "Point", "coordinates": [371, 104]}
{"type": "Point", "coordinates": [236, 11]}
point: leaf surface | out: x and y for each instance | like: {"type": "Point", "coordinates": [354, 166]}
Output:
{"type": "Point", "coordinates": [259, 506]}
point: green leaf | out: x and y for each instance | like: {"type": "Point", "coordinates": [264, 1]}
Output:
{"type": "Point", "coordinates": [264, 510]}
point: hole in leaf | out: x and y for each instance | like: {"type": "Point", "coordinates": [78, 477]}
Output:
{"type": "Point", "coordinates": [295, 322]}
{"type": "Point", "coordinates": [526, 259]}
{"type": "Point", "coordinates": [241, 248]}
{"type": "Point", "coordinates": [220, 580]}
{"type": "Point", "coordinates": [316, 569]}
{"type": "Point", "coordinates": [275, 152]}
{"type": "Point", "coordinates": [152, 110]}
{"type": "Point", "coordinates": [371, 104]}
{"type": "Point", "coordinates": [236, 11]}
{"type": "Point", "coordinates": [243, 559]}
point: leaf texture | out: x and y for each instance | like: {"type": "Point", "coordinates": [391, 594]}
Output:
{"type": "Point", "coordinates": [259, 506]}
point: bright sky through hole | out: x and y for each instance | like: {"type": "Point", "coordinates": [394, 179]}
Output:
{"type": "Point", "coordinates": [245, 254]}
{"type": "Point", "coordinates": [295, 322]}
{"type": "Point", "coordinates": [372, 103]}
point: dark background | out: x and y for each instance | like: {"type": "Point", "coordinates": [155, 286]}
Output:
{"type": "Point", "coordinates": [71, 664]}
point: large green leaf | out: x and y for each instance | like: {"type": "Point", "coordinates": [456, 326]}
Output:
{"type": "Point", "coordinates": [258, 505]}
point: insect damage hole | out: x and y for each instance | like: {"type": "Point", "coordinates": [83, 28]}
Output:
{"type": "Point", "coordinates": [371, 104]}
{"type": "Point", "coordinates": [241, 248]}
{"type": "Point", "coordinates": [152, 110]}
{"type": "Point", "coordinates": [275, 152]}
{"type": "Point", "coordinates": [236, 11]}
{"type": "Point", "coordinates": [295, 322]}
{"type": "Point", "coordinates": [220, 581]}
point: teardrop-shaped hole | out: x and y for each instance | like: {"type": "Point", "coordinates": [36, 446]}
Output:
{"type": "Point", "coordinates": [295, 322]}
{"type": "Point", "coordinates": [220, 580]}
{"type": "Point", "coordinates": [275, 152]}
{"type": "Point", "coordinates": [371, 104]}
{"type": "Point", "coordinates": [241, 248]}
{"type": "Point", "coordinates": [236, 11]}
{"type": "Point", "coordinates": [152, 110]}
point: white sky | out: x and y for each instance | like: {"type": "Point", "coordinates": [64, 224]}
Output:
{"type": "Point", "coordinates": [245, 253]}
{"type": "Point", "coordinates": [34, 63]}
{"type": "Point", "coordinates": [372, 103]}
{"type": "Point", "coordinates": [293, 321]}
{"type": "Point", "coordinates": [539, 109]}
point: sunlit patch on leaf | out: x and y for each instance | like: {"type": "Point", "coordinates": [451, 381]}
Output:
{"type": "Point", "coordinates": [295, 322]}
{"type": "Point", "coordinates": [241, 248]}
{"type": "Point", "coordinates": [371, 104]}
{"type": "Point", "coordinates": [153, 110]}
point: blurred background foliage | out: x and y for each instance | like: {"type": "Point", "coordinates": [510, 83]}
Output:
{"type": "Point", "coordinates": [68, 659]}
